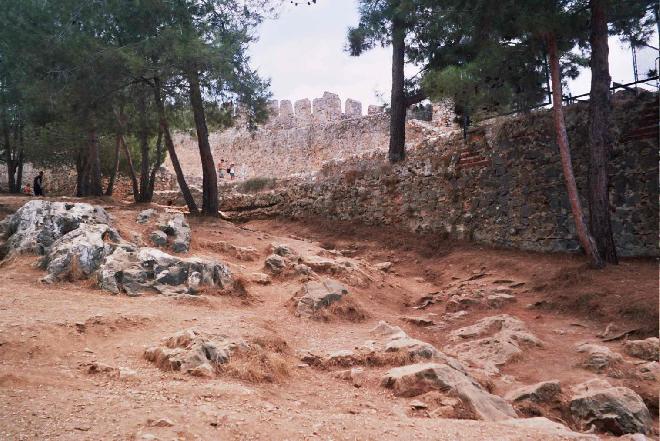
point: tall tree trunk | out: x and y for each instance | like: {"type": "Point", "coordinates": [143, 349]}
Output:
{"type": "Point", "coordinates": [584, 237]}
{"type": "Point", "coordinates": [209, 175]}
{"type": "Point", "coordinates": [397, 151]}
{"type": "Point", "coordinates": [9, 156]}
{"type": "Point", "coordinates": [144, 147]}
{"type": "Point", "coordinates": [154, 169]}
{"type": "Point", "coordinates": [115, 168]}
{"type": "Point", "coordinates": [600, 141]}
{"type": "Point", "coordinates": [95, 186]}
{"type": "Point", "coordinates": [82, 171]}
{"type": "Point", "coordinates": [20, 161]}
{"type": "Point", "coordinates": [181, 179]}
{"type": "Point", "coordinates": [131, 170]}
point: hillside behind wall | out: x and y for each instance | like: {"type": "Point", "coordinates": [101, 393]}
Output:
{"type": "Point", "coordinates": [300, 137]}
{"type": "Point", "coordinates": [503, 187]}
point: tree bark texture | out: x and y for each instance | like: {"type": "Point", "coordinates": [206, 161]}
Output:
{"type": "Point", "coordinates": [397, 149]}
{"type": "Point", "coordinates": [584, 237]}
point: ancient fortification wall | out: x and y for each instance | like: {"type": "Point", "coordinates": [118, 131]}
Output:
{"type": "Point", "coordinates": [300, 137]}
{"type": "Point", "coordinates": [503, 187]}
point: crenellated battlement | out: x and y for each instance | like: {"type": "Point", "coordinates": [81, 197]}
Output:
{"type": "Point", "coordinates": [327, 108]}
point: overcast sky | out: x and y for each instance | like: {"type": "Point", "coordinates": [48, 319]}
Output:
{"type": "Point", "coordinates": [302, 52]}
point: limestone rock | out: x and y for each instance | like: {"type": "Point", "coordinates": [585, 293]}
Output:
{"type": "Point", "coordinates": [502, 338]}
{"type": "Point", "coordinates": [148, 269]}
{"type": "Point", "coordinates": [282, 250]}
{"type": "Point", "coordinates": [542, 392]}
{"type": "Point", "coordinates": [38, 224]}
{"type": "Point", "coordinates": [549, 428]}
{"type": "Point", "coordinates": [644, 349]}
{"type": "Point", "coordinates": [416, 379]}
{"type": "Point", "coordinates": [598, 357]}
{"type": "Point", "coordinates": [79, 253]}
{"type": "Point", "coordinates": [499, 299]}
{"type": "Point", "coordinates": [617, 410]}
{"type": "Point", "coordinates": [383, 266]}
{"type": "Point", "coordinates": [145, 215]}
{"type": "Point", "coordinates": [315, 295]}
{"type": "Point", "coordinates": [178, 227]}
{"type": "Point", "coordinates": [193, 352]}
{"type": "Point", "coordinates": [259, 278]}
{"type": "Point", "coordinates": [275, 264]}
{"type": "Point", "coordinates": [158, 238]}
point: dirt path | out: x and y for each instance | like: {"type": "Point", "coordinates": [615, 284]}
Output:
{"type": "Point", "coordinates": [51, 334]}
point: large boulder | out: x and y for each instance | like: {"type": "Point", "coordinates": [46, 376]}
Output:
{"type": "Point", "coordinates": [79, 253]}
{"type": "Point", "coordinates": [492, 342]}
{"type": "Point", "coordinates": [644, 349]}
{"type": "Point", "coordinates": [617, 410]}
{"type": "Point", "coordinates": [38, 224]}
{"type": "Point", "coordinates": [417, 379]}
{"type": "Point", "coordinates": [134, 272]}
{"type": "Point", "coordinates": [316, 295]}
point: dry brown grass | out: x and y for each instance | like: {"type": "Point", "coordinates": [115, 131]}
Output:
{"type": "Point", "coordinates": [268, 360]}
{"type": "Point", "coordinates": [346, 309]}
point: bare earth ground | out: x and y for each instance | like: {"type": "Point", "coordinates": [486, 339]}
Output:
{"type": "Point", "coordinates": [50, 333]}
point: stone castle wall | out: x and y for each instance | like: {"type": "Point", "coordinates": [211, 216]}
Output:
{"type": "Point", "coordinates": [503, 187]}
{"type": "Point", "coordinates": [300, 137]}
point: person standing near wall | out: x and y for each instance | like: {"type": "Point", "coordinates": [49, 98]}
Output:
{"type": "Point", "coordinates": [232, 171]}
{"type": "Point", "coordinates": [38, 184]}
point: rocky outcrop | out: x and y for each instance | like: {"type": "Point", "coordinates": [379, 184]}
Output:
{"type": "Point", "coordinates": [193, 352]}
{"type": "Point", "coordinates": [598, 357]}
{"type": "Point", "coordinates": [617, 410]}
{"type": "Point", "coordinates": [416, 379]}
{"type": "Point", "coordinates": [542, 392]}
{"type": "Point", "coordinates": [178, 229]}
{"type": "Point", "coordinates": [316, 295]}
{"type": "Point", "coordinates": [77, 241]}
{"type": "Point", "coordinates": [79, 253]}
{"type": "Point", "coordinates": [644, 349]}
{"type": "Point", "coordinates": [38, 224]}
{"type": "Point", "coordinates": [149, 269]}
{"type": "Point", "coordinates": [493, 341]}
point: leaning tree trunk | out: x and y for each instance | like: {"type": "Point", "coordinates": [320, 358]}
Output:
{"type": "Point", "coordinates": [181, 179]}
{"type": "Point", "coordinates": [599, 135]}
{"type": "Point", "coordinates": [209, 175]}
{"type": "Point", "coordinates": [115, 168]}
{"type": "Point", "coordinates": [584, 237]}
{"type": "Point", "coordinates": [397, 151]}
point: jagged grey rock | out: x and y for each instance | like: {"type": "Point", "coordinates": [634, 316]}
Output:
{"type": "Point", "coordinates": [645, 349]}
{"type": "Point", "coordinates": [151, 269]}
{"type": "Point", "coordinates": [598, 357]}
{"type": "Point", "coordinates": [316, 295]}
{"type": "Point", "coordinates": [503, 337]}
{"type": "Point", "coordinates": [38, 224]}
{"type": "Point", "coordinates": [178, 227]}
{"type": "Point", "coordinates": [145, 215]}
{"type": "Point", "coordinates": [158, 238]}
{"type": "Point", "coordinates": [79, 253]}
{"type": "Point", "coordinates": [617, 410]}
{"type": "Point", "coordinates": [416, 379]}
{"type": "Point", "coordinates": [275, 263]}
{"type": "Point", "coordinates": [193, 352]}
{"type": "Point", "coordinates": [542, 392]}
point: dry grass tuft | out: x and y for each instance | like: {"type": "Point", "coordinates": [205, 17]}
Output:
{"type": "Point", "coordinates": [347, 309]}
{"type": "Point", "coordinates": [266, 361]}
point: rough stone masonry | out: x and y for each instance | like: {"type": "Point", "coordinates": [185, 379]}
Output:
{"type": "Point", "coordinates": [503, 186]}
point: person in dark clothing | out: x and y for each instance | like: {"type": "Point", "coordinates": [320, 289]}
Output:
{"type": "Point", "coordinates": [38, 183]}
